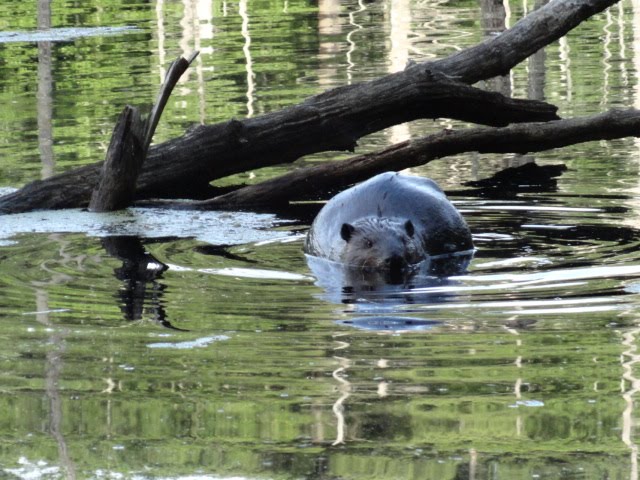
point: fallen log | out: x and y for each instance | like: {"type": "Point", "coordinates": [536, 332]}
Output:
{"type": "Point", "coordinates": [185, 166]}
{"type": "Point", "coordinates": [316, 181]}
{"type": "Point", "coordinates": [333, 120]}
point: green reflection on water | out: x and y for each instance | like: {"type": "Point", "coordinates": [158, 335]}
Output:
{"type": "Point", "coordinates": [263, 401]}
{"type": "Point", "coordinates": [282, 391]}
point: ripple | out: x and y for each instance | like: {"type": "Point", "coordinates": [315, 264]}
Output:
{"type": "Point", "coordinates": [519, 279]}
{"type": "Point", "coordinates": [255, 273]}
{"type": "Point", "coordinates": [388, 323]}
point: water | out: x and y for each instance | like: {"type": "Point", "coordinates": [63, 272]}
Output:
{"type": "Point", "coordinates": [159, 344]}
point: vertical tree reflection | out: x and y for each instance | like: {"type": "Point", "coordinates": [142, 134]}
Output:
{"type": "Point", "coordinates": [45, 90]}
{"type": "Point", "coordinates": [54, 361]}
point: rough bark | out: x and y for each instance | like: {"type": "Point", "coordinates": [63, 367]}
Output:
{"type": "Point", "coordinates": [185, 166]}
{"type": "Point", "coordinates": [125, 155]}
{"type": "Point", "coordinates": [314, 182]}
{"type": "Point", "coordinates": [333, 120]}
{"type": "Point", "coordinates": [129, 145]}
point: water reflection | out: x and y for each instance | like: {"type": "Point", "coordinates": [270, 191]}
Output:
{"type": "Point", "coordinates": [53, 375]}
{"type": "Point", "coordinates": [54, 358]}
{"type": "Point", "coordinates": [493, 18]}
{"type": "Point", "coordinates": [345, 392]}
{"type": "Point", "coordinates": [630, 388]}
{"type": "Point", "coordinates": [377, 300]}
{"type": "Point", "coordinates": [350, 38]}
{"type": "Point", "coordinates": [537, 64]}
{"type": "Point", "coordinates": [282, 375]}
{"type": "Point", "coordinates": [399, 33]}
{"type": "Point", "coordinates": [534, 350]}
{"type": "Point", "coordinates": [45, 92]}
{"type": "Point", "coordinates": [246, 49]}
{"type": "Point", "coordinates": [141, 292]}
{"type": "Point", "coordinates": [564, 63]}
{"type": "Point", "coordinates": [329, 29]}
{"type": "Point", "coordinates": [389, 323]}
{"type": "Point", "coordinates": [635, 26]}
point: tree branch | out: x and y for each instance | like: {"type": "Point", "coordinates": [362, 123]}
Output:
{"type": "Point", "coordinates": [313, 182]}
{"type": "Point", "coordinates": [333, 120]}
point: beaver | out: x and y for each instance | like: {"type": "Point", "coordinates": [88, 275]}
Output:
{"type": "Point", "coordinates": [389, 222]}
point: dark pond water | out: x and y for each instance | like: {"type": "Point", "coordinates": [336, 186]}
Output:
{"type": "Point", "coordinates": [235, 361]}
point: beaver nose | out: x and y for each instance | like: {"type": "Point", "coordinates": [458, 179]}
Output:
{"type": "Point", "coordinates": [395, 263]}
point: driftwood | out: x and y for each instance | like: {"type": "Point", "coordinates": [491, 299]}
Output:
{"type": "Point", "coordinates": [129, 145]}
{"type": "Point", "coordinates": [334, 120]}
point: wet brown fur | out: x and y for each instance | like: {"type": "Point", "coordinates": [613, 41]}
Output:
{"type": "Point", "coordinates": [372, 240]}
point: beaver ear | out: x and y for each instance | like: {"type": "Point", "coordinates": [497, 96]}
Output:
{"type": "Point", "coordinates": [346, 231]}
{"type": "Point", "coordinates": [408, 226]}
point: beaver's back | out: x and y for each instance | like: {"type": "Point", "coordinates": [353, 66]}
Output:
{"type": "Point", "coordinates": [440, 226]}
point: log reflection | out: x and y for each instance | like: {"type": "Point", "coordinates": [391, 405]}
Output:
{"type": "Point", "coordinates": [141, 293]}
{"type": "Point", "coordinates": [494, 21]}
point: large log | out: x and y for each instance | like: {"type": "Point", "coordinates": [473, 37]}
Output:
{"type": "Point", "coordinates": [186, 165]}
{"type": "Point", "coordinates": [316, 181]}
{"type": "Point", "coordinates": [333, 120]}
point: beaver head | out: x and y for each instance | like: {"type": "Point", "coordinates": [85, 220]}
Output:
{"type": "Point", "coordinates": [381, 243]}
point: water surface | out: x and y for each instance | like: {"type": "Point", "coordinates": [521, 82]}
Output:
{"type": "Point", "coordinates": [159, 344]}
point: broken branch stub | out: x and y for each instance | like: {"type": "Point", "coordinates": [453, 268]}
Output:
{"type": "Point", "coordinates": [129, 145]}
{"type": "Point", "coordinates": [116, 188]}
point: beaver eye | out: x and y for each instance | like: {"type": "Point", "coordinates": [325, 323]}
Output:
{"type": "Point", "coordinates": [368, 243]}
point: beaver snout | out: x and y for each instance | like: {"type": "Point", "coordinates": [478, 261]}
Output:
{"type": "Point", "coordinates": [396, 269]}
{"type": "Point", "coordinates": [395, 263]}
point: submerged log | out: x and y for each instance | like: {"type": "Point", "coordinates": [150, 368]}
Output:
{"type": "Point", "coordinates": [333, 120]}
{"type": "Point", "coordinates": [314, 182]}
